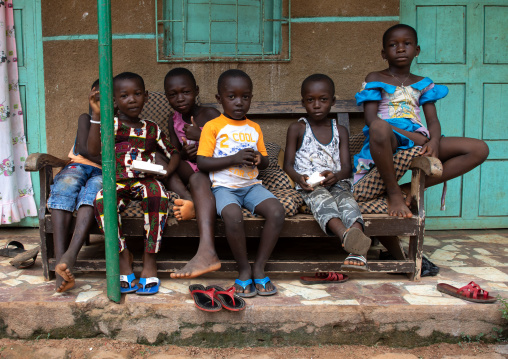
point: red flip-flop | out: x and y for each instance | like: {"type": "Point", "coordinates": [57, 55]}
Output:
{"type": "Point", "coordinates": [228, 298]}
{"type": "Point", "coordinates": [325, 278]}
{"type": "Point", "coordinates": [204, 299]}
{"type": "Point", "coordinates": [471, 292]}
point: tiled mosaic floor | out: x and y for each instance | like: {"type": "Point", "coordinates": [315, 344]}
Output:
{"type": "Point", "coordinates": [463, 256]}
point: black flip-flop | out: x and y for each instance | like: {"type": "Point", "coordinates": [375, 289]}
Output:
{"type": "Point", "coordinates": [228, 298]}
{"type": "Point", "coordinates": [12, 249]}
{"type": "Point", "coordinates": [204, 299]}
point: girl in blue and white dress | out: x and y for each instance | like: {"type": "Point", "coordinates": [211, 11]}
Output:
{"type": "Point", "coordinates": [392, 98]}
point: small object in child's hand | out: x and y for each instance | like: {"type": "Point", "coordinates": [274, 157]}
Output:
{"type": "Point", "coordinates": [190, 142]}
{"type": "Point", "coordinates": [147, 167]}
{"type": "Point", "coordinates": [315, 179]}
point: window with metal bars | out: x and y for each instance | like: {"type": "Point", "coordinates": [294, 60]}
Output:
{"type": "Point", "coordinates": [215, 30]}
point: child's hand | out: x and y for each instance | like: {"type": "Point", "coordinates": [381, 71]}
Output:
{"type": "Point", "coordinates": [191, 151]}
{"type": "Point", "coordinates": [257, 158]}
{"type": "Point", "coordinates": [94, 100]}
{"type": "Point", "coordinates": [192, 131]}
{"type": "Point", "coordinates": [330, 178]}
{"type": "Point", "coordinates": [430, 149]}
{"type": "Point", "coordinates": [246, 157]}
{"type": "Point", "coordinates": [302, 181]}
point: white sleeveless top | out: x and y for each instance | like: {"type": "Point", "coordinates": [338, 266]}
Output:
{"type": "Point", "coordinates": [313, 156]}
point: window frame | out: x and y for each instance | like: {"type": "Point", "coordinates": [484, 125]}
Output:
{"type": "Point", "coordinates": [278, 48]}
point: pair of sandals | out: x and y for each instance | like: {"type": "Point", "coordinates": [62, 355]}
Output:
{"type": "Point", "coordinates": [143, 283]}
{"type": "Point", "coordinates": [357, 244]}
{"type": "Point", "coordinates": [213, 298]}
{"type": "Point", "coordinates": [253, 291]}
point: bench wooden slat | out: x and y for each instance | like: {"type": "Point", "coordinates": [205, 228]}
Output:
{"type": "Point", "coordinates": [292, 107]}
{"type": "Point", "coordinates": [279, 266]}
{"type": "Point", "coordinates": [300, 225]}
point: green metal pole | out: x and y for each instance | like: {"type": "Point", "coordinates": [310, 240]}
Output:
{"type": "Point", "coordinates": [108, 149]}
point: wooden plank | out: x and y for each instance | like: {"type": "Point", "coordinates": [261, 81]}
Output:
{"type": "Point", "coordinates": [301, 225]}
{"type": "Point", "coordinates": [280, 266]}
{"type": "Point", "coordinates": [291, 107]}
{"type": "Point", "coordinates": [35, 161]}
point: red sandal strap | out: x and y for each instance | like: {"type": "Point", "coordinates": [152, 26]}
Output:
{"type": "Point", "coordinates": [210, 292]}
{"type": "Point", "coordinates": [472, 290]}
{"type": "Point", "coordinates": [333, 276]}
{"type": "Point", "coordinates": [230, 292]}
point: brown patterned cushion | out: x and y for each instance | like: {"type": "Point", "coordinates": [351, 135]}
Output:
{"type": "Point", "coordinates": [157, 109]}
{"type": "Point", "coordinates": [290, 199]}
{"type": "Point", "coordinates": [133, 210]}
{"type": "Point", "coordinates": [370, 191]}
{"type": "Point", "coordinates": [273, 177]}
{"type": "Point", "coordinates": [304, 209]}
{"type": "Point", "coordinates": [277, 181]}
{"type": "Point", "coordinates": [355, 144]}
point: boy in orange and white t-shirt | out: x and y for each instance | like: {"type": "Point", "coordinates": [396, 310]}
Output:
{"type": "Point", "coordinates": [231, 150]}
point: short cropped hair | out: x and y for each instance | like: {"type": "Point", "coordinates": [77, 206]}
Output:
{"type": "Point", "coordinates": [95, 84]}
{"type": "Point", "coordinates": [129, 76]}
{"type": "Point", "coordinates": [180, 71]}
{"type": "Point", "coordinates": [232, 73]}
{"type": "Point", "coordinates": [399, 26]}
{"type": "Point", "coordinates": [316, 78]}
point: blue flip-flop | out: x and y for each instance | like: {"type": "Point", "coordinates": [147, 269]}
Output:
{"type": "Point", "coordinates": [263, 283]}
{"type": "Point", "coordinates": [128, 279]}
{"type": "Point", "coordinates": [244, 284]}
{"type": "Point", "coordinates": [150, 290]}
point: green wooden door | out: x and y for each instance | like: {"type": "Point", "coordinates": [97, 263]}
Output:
{"type": "Point", "coordinates": [464, 45]}
{"type": "Point", "coordinates": [27, 22]}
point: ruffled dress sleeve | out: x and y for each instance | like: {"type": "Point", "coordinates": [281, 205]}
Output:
{"type": "Point", "coordinates": [432, 93]}
{"type": "Point", "coordinates": [372, 91]}
{"type": "Point", "coordinates": [367, 95]}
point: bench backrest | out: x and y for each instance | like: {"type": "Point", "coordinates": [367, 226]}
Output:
{"type": "Point", "coordinates": [158, 110]}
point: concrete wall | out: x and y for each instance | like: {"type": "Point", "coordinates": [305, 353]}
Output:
{"type": "Point", "coordinates": [346, 51]}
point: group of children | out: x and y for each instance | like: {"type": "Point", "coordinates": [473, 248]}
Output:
{"type": "Point", "coordinates": [212, 161]}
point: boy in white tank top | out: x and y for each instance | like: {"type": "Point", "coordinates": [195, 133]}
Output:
{"type": "Point", "coordinates": [318, 145]}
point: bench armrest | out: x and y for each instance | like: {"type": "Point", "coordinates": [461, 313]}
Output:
{"type": "Point", "coordinates": [36, 161]}
{"type": "Point", "coordinates": [430, 165]}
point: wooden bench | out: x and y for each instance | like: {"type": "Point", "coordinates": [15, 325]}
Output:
{"type": "Point", "coordinates": [387, 229]}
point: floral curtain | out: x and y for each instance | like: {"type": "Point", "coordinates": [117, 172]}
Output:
{"type": "Point", "coordinates": [16, 192]}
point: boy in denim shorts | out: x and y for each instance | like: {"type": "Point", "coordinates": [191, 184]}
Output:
{"type": "Point", "coordinates": [231, 149]}
{"type": "Point", "coordinates": [74, 188]}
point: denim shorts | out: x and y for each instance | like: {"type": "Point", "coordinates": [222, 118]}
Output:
{"type": "Point", "coordinates": [248, 197]}
{"type": "Point", "coordinates": [75, 185]}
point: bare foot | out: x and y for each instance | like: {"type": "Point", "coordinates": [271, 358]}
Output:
{"type": "Point", "coordinates": [397, 206]}
{"type": "Point", "coordinates": [406, 191]}
{"type": "Point", "coordinates": [68, 281]}
{"type": "Point", "coordinates": [184, 210]}
{"type": "Point", "coordinates": [353, 262]}
{"type": "Point", "coordinates": [245, 275]}
{"type": "Point", "coordinates": [126, 260]}
{"type": "Point", "coordinates": [259, 274]}
{"type": "Point", "coordinates": [198, 265]}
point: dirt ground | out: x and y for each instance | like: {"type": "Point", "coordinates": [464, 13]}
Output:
{"type": "Point", "coordinates": [114, 349]}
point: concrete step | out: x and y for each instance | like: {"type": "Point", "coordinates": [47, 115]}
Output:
{"type": "Point", "coordinates": [368, 309]}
